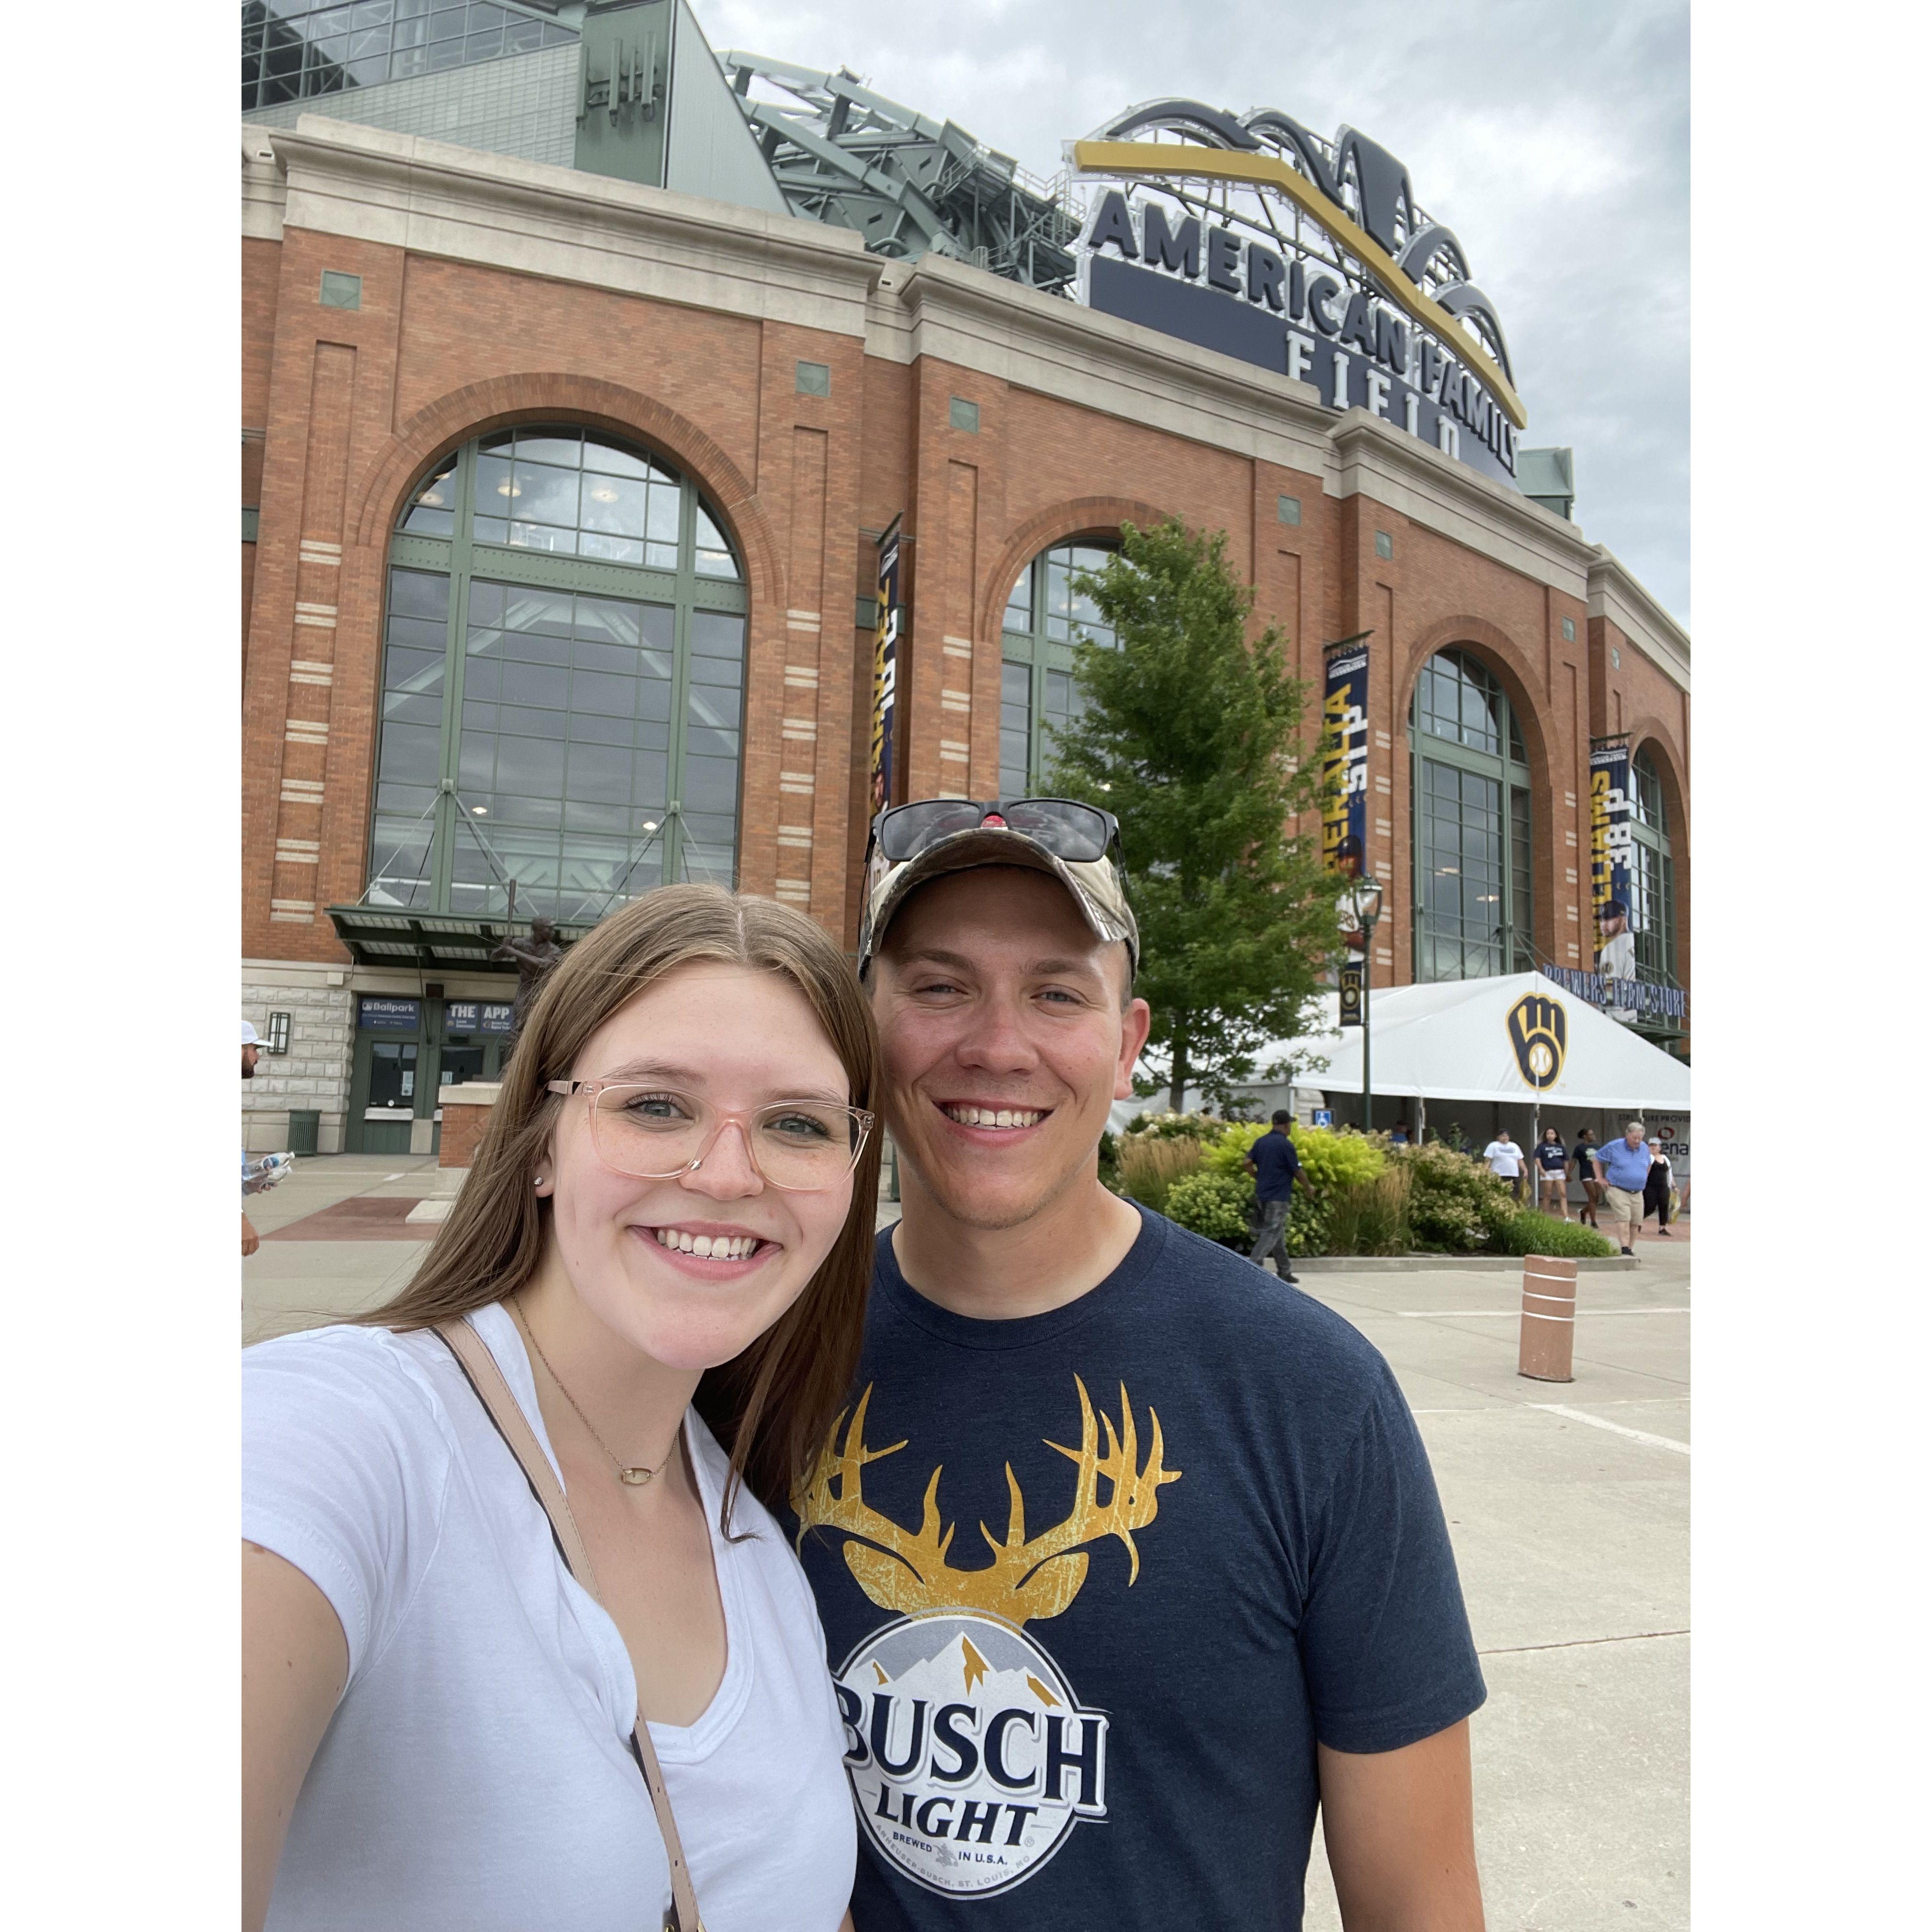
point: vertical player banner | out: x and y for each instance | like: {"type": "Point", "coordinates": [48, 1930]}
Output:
{"type": "Point", "coordinates": [1611, 882]}
{"type": "Point", "coordinates": [1345, 768]}
{"type": "Point", "coordinates": [885, 670]}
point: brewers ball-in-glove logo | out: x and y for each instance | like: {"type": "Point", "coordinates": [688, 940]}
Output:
{"type": "Point", "coordinates": [970, 1758]}
{"type": "Point", "coordinates": [1539, 1029]}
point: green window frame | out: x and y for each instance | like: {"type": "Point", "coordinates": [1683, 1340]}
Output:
{"type": "Point", "coordinates": [562, 694]}
{"type": "Point", "coordinates": [1046, 617]}
{"type": "Point", "coordinates": [1653, 882]}
{"type": "Point", "coordinates": [1472, 834]}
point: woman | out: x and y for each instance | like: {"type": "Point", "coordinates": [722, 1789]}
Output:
{"type": "Point", "coordinates": [1552, 1172]}
{"type": "Point", "coordinates": [1656, 1187]}
{"type": "Point", "coordinates": [663, 1250]}
{"type": "Point", "coordinates": [1584, 1154]}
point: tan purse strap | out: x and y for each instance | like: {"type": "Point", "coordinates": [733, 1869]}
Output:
{"type": "Point", "coordinates": [480, 1370]}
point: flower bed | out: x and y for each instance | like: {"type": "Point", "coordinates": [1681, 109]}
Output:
{"type": "Point", "coordinates": [1358, 1194]}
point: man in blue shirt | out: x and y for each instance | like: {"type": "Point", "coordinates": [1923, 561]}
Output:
{"type": "Point", "coordinates": [1624, 1166]}
{"type": "Point", "coordinates": [1126, 1560]}
{"type": "Point", "coordinates": [1273, 1163]}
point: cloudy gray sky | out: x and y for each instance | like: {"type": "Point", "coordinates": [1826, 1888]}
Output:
{"type": "Point", "coordinates": [1554, 137]}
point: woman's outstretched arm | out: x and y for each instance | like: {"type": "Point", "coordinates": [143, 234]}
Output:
{"type": "Point", "coordinates": [295, 1661]}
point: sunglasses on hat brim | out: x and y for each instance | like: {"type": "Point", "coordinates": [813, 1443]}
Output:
{"type": "Point", "coordinates": [1062, 826]}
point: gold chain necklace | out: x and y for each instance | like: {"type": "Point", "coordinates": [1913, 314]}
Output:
{"type": "Point", "coordinates": [634, 1475]}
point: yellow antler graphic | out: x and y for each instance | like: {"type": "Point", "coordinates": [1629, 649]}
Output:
{"type": "Point", "coordinates": [1026, 1580]}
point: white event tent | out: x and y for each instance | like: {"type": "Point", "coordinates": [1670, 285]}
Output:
{"type": "Point", "coordinates": [1451, 1041]}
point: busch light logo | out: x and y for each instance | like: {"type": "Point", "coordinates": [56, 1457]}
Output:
{"type": "Point", "coordinates": [970, 1761]}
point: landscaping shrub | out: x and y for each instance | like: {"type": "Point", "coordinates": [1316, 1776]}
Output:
{"type": "Point", "coordinates": [1356, 1195]}
{"type": "Point", "coordinates": [1371, 1217]}
{"type": "Point", "coordinates": [1329, 1160]}
{"type": "Point", "coordinates": [1307, 1224]}
{"type": "Point", "coordinates": [1226, 1153]}
{"type": "Point", "coordinates": [1455, 1205]}
{"type": "Point", "coordinates": [1110, 1160]}
{"type": "Point", "coordinates": [1174, 1127]}
{"type": "Point", "coordinates": [1149, 1166]}
{"type": "Point", "coordinates": [1531, 1232]}
{"type": "Point", "coordinates": [1214, 1204]}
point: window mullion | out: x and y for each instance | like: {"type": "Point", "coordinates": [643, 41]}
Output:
{"type": "Point", "coordinates": [443, 859]}
{"type": "Point", "coordinates": [680, 691]}
{"type": "Point", "coordinates": [1037, 688]}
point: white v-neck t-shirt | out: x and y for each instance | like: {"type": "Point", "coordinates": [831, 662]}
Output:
{"type": "Point", "coordinates": [478, 1775]}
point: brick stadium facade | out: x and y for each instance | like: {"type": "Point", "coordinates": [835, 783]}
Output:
{"type": "Point", "coordinates": [495, 292]}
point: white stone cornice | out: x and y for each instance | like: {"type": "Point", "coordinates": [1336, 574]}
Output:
{"type": "Point", "coordinates": [1378, 460]}
{"type": "Point", "coordinates": [264, 192]}
{"type": "Point", "coordinates": [531, 218]}
{"type": "Point", "coordinates": [1017, 335]}
{"type": "Point", "coordinates": [1615, 594]}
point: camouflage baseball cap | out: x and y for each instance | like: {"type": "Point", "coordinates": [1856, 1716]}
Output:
{"type": "Point", "coordinates": [1078, 844]}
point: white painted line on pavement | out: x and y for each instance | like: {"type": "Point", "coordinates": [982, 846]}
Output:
{"type": "Point", "coordinates": [1614, 1428]}
{"type": "Point", "coordinates": [1463, 1314]}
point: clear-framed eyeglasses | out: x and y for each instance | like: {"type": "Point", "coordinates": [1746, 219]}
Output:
{"type": "Point", "coordinates": [652, 1132]}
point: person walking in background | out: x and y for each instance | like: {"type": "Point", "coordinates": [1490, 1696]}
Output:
{"type": "Point", "coordinates": [1553, 1175]}
{"type": "Point", "coordinates": [254, 1182]}
{"type": "Point", "coordinates": [1273, 1163]}
{"type": "Point", "coordinates": [1505, 1161]}
{"type": "Point", "coordinates": [1623, 1167]}
{"type": "Point", "coordinates": [1584, 1154]}
{"type": "Point", "coordinates": [1656, 1186]}
{"type": "Point", "coordinates": [1398, 1134]}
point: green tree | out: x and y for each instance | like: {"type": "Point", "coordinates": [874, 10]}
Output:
{"type": "Point", "coordinates": [1191, 735]}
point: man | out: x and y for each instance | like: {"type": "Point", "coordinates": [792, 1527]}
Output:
{"type": "Point", "coordinates": [251, 1051]}
{"type": "Point", "coordinates": [1273, 1163]}
{"type": "Point", "coordinates": [1348, 866]}
{"type": "Point", "coordinates": [1584, 1156]}
{"type": "Point", "coordinates": [1623, 1167]}
{"type": "Point", "coordinates": [1125, 1558]}
{"type": "Point", "coordinates": [1616, 944]}
{"type": "Point", "coordinates": [1505, 1160]}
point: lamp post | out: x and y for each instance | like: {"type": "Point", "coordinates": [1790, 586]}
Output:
{"type": "Point", "coordinates": [1365, 902]}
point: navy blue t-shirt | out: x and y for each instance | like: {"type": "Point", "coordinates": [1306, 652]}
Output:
{"type": "Point", "coordinates": [1094, 1582]}
{"type": "Point", "coordinates": [1276, 1164]}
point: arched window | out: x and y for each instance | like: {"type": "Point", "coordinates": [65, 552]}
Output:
{"type": "Point", "coordinates": [1656, 907]}
{"type": "Point", "coordinates": [1472, 833]}
{"type": "Point", "coordinates": [563, 683]}
{"type": "Point", "coordinates": [1046, 617]}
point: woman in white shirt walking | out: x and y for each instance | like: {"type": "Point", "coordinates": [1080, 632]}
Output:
{"type": "Point", "coordinates": [656, 1273]}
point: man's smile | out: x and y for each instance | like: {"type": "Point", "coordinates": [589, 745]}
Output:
{"type": "Point", "coordinates": [987, 1116]}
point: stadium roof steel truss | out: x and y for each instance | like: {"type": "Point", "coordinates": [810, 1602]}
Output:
{"type": "Point", "coordinates": [907, 184]}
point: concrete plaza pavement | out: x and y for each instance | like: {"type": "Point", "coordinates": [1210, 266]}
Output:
{"type": "Point", "coordinates": [1568, 1506]}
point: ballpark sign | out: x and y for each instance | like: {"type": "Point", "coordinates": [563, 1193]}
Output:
{"type": "Point", "coordinates": [1307, 257]}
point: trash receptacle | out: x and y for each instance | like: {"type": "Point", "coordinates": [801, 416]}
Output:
{"type": "Point", "coordinates": [304, 1128]}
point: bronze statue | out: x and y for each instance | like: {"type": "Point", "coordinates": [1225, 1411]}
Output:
{"type": "Point", "coordinates": [532, 957]}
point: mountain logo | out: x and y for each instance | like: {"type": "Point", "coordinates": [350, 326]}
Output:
{"type": "Point", "coordinates": [970, 1758]}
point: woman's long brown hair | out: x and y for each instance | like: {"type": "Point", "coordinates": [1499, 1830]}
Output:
{"type": "Point", "coordinates": [771, 1406]}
